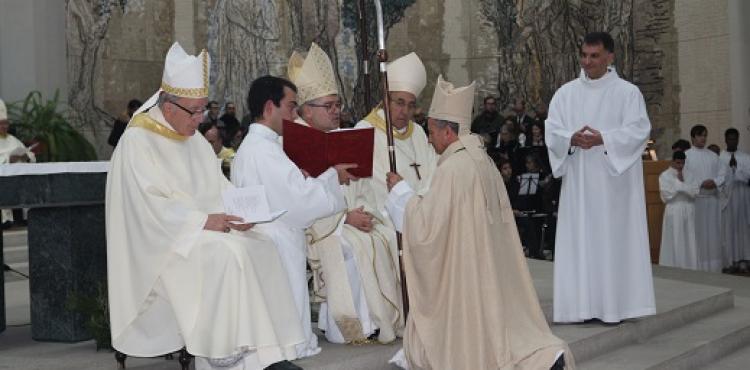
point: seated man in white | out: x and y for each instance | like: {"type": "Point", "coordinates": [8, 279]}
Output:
{"type": "Point", "coordinates": [180, 271]}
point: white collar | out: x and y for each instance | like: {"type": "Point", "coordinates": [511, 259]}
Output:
{"type": "Point", "coordinates": [610, 75]}
{"type": "Point", "coordinates": [263, 131]}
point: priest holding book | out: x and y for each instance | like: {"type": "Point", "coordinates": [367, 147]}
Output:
{"type": "Point", "coordinates": [415, 158]}
{"type": "Point", "coordinates": [260, 160]}
{"type": "Point", "coordinates": [352, 253]}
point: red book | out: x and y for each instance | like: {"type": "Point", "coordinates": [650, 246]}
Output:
{"type": "Point", "coordinates": [315, 151]}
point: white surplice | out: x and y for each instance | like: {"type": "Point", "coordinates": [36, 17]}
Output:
{"type": "Point", "coordinates": [602, 264]}
{"type": "Point", "coordinates": [261, 160]}
{"type": "Point", "coordinates": [702, 164]}
{"type": "Point", "coordinates": [735, 207]}
{"type": "Point", "coordinates": [413, 153]}
{"type": "Point", "coordinates": [678, 247]}
{"type": "Point", "coordinates": [174, 284]}
{"type": "Point", "coordinates": [10, 145]}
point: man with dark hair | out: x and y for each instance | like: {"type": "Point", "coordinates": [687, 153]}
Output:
{"type": "Point", "coordinates": [121, 122]}
{"type": "Point", "coordinates": [596, 131]}
{"type": "Point", "coordinates": [681, 145]}
{"type": "Point", "coordinates": [678, 248]}
{"type": "Point", "coordinates": [228, 124]}
{"type": "Point", "coordinates": [261, 160]}
{"type": "Point", "coordinates": [522, 120]}
{"type": "Point", "coordinates": [212, 112]}
{"type": "Point", "coordinates": [704, 171]}
{"type": "Point", "coordinates": [487, 124]}
{"type": "Point", "coordinates": [736, 200]}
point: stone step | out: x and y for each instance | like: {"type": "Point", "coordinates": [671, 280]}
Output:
{"type": "Point", "coordinates": [690, 346]}
{"type": "Point", "coordinates": [347, 357]}
{"type": "Point", "coordinates": [16, 254]}
{"type": "Point", "coordinates": [678, 304]}
{"type": "Point", "coordinates": [739, 359]}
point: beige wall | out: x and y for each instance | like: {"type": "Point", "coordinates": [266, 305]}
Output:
{"type": "Point", "coordinates": [739, 61]}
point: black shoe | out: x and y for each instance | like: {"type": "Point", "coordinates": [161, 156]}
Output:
{"type": "Point", "coordinates": [559, 364]}
{"type": "Point", "coordinates": [283, 365]}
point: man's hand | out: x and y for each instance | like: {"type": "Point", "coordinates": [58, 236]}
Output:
{"type": "Point", "coordinates": [708, 184]}
{"type": "Point", "coordinates": [733, 162]}
{"type": "Point", "coordinates": [359, 219]}
{"type": "Point", "coordinates": [587, 138]}
{"type": "Point", "coordinates": [221, 222]}
{"type": "Point", "coordinates": [344, 176]}
{"type": "Point", "coordinates": [392, 179]}
{"type": "Point", "coordinates": [679, 176]}
{"type": "Point", "coordinates": [305, 173]}
{"type": "Point", "coordinates": [578, 138]}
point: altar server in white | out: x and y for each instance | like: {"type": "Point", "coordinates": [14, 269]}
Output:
{"type": "Point", "coordinates": [735, 200]}
{"type": "Point", "coordinates": [596, 131]}
{"type": "Point", "coordinates": [261, 160]}
{"type": "Point", "coordinates": [678, 248]}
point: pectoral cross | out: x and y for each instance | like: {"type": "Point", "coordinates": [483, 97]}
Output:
{"type": "Point", "coordinates": [416, 169]}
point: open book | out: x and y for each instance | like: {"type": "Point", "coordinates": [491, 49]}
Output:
{"type": "Point", "coordinates": [250, 203]}
{"type": "Point", "coordinates": [315, 151]}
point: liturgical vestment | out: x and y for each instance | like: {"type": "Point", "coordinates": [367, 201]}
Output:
{"type": "Point", "coordinates": [602, 262]}
{"type": "Point", "coordinates": [735, 207]}
{"type": "Point", "coordinates": [174, 284]}
{"type": "Point", "coordinates": [702, 164]}
{"type": "Point", "coordinates": [472, 301]}
{"type": "Point", "coordinates": [678, 248]}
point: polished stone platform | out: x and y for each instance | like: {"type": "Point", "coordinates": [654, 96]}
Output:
{"type": "Point", "coordinates": [697, 326]}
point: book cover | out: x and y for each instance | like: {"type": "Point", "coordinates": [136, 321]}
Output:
{"type": "Point", "coordinates": [315, 151]}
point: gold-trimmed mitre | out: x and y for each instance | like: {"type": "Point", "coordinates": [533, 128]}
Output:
{"type": "Point", "coordinates": [185, 75]}
{"type": "Point", "coordinates": [453, 104]}
{"type": "Point", "coordinates": [407, 74]}
{"type": "Point", "coordinates": [313, 74]}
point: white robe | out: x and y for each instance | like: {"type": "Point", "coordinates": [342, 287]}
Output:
{"type": "Point", "coordinates": [174, 284]}
{"type": "Point", "coordinates": [602, 263]}
{"type": "Point", "coordinates": [261, 160]}
{"type": "Point", "coordinates": [678, 247]}
{"type": "Point", "coordinates": [414, 149]}
{"type": "Point", "coordinates": [700, 165]}
{"type": "Point", "coordinates": [735, 207]}
{"type": "Point", "coordinates": [8, 146]}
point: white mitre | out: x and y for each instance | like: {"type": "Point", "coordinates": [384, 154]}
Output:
{"type": "Point", "coordinates": [184, 75]}
{"type": "Point", "coordinates": [407, 74]}
{"type": "Point", "coordinates": [453, 104]}
{"type": "Point", "coordinates": [3, 111]}
{"type": "Point", "coordinates": [313, 74]}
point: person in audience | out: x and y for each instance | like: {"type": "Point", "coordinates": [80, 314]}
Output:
{"type": "Point", "coordinates": [121, 122]}
{"type": "Point", "coordinates": [678, 247]}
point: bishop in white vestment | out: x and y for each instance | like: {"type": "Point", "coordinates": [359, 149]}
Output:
{"type": "Point", "coordinates": [415, 158]}
{"type": "Point", "coordinates": [596, 131]}
{"type": "Point", "coordinates": [261, 160]}
{"type": "Point", "coordinates": [678, 248]}
{"type": "Point", "coordinates": [352, 253]}
{"type": "Point", "coordinates": [735, 200]}
{"type": "Point", "coordinates": [704, 171]}
{"type": "Point", "coordinates": [179, 272]}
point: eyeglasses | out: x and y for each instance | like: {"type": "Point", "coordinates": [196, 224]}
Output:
{"type": "Point", "coordinates": [188, 111]}
{"type": "Point", "coordinates": [330, 107]}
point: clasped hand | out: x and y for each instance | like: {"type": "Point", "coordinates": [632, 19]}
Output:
{"type": "Point", "coordinates": [391, 179]}
{"type": "Point", "coordinates": [586, 138]}
{"type": "Point", "coordinates": [360, 219]}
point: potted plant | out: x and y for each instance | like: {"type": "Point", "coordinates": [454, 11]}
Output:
{"type": "Point", "coordinates": [39, 122]}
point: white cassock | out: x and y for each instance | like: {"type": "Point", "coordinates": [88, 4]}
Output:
{"type": "Point", "coordinates": [10, 145]}
{"type": "Point", "coordinates": [413, 153]}
{"type": "Point", "coordinates": [261, 160]}
{"type": "Point", "coordinates": [602, 263]}
{"type": "Point", "coordinates": [174, 284]}
{"type": "Point", "coordinates": [678, 247]}
{"type": "Point", "coordinates": [356, 275]}
{"type": "Point", "coordinates": [735, 207]}
{"type": "Point", "coordinates": [702, 164]}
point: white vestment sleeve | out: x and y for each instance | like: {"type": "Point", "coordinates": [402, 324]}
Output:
{"type": "Point", "coordinates": [670, 187]}
{"type": "Point", "coordinates": [557, 135]}
{"type": "Point", "coordinates": [396, 202]}
{"type": "Point", "coordinates": [624, 146]}
{"type": "Point", "coordinates": [723, 169]}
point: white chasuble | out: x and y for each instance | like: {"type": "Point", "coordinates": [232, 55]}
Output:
{"type": "Point", "coordinates": [678, 247]}
{"type": "Point", "coordinates": [602, 263]}
{"type": "Point", "coordinates": [174, 284]}
{"type": "Point", "coordinates": [735, 207]}
{"type": "Point", "coordinates": [261, 160]}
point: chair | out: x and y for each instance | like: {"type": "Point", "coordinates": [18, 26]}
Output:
{"type": "Point", "coordinates": [184, 358]}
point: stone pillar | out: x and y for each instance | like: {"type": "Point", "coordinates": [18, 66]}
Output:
{"type": "Point", "coordinates": [739, 60]}
{"type": "Point", "coordinates": [184, 24]}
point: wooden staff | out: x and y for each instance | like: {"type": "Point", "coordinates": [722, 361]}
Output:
{"type": "Point", "coordinates": [383, 59]}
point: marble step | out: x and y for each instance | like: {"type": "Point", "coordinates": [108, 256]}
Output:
{"type": "Point", "coordinates": [691, 346]}
{"type": "Point", "coordinates": [678, 304]}
{"type": "Point", "coordinates": [739, 359]}
{"type": "Point", "coordinates": [16, 254]}
{"type": "Point", "coordinates": [15, 238]}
